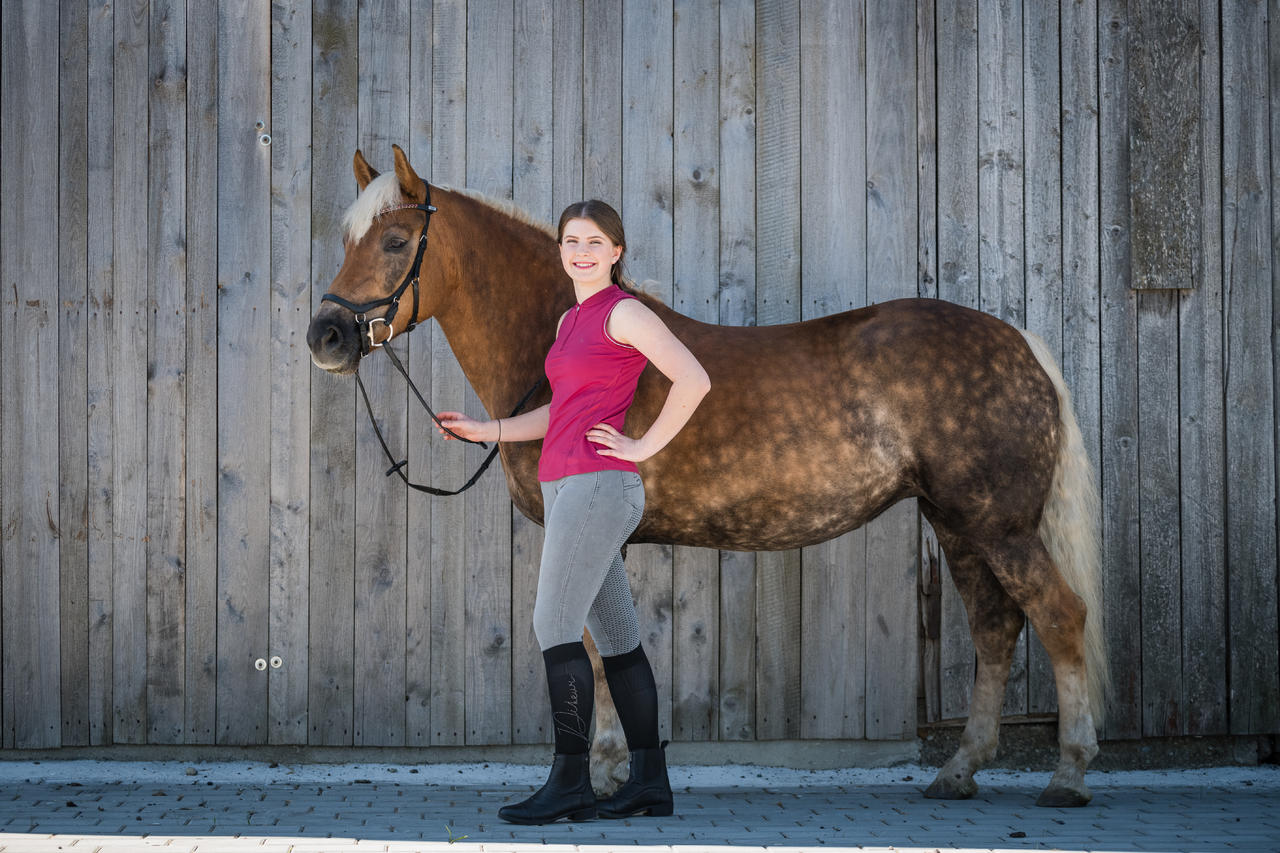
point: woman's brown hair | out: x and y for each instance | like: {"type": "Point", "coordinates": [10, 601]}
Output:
{"type": "Point", "coordinates": [610, 224]}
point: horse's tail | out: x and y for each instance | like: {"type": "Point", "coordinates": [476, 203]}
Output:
{"type": "Point", "coordinates": [1069, 528]}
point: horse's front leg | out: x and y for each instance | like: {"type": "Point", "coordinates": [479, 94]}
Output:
{"type": "Point", "coordinates": [609, 756]}
{"type": "Point", "coordinates": [995, 623]}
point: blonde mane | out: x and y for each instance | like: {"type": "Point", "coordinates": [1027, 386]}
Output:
{"type": "Point", "coordinates": [384, 191]}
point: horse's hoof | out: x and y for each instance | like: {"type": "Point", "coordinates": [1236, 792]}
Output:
{"type": "Point", "coordinates": [952, 788]}
{"type": "Point", "coordinates": [1058, 797]}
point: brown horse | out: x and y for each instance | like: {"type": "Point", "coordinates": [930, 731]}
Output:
{"type": "Point", "coordinates": [916, 398]}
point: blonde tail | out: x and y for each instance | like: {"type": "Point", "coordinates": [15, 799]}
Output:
{"type": "Point", "coordinates": [1069, 529]}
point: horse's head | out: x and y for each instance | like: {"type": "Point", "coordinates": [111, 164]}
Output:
{"type": "Point", "coordinates": [376, 294]}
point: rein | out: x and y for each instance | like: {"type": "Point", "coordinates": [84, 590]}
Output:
{"type": "Point", "coordinates": [365, 330]}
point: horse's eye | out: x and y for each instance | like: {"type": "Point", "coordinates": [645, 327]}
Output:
{"type": "Point", "coordinates": [395, 244]}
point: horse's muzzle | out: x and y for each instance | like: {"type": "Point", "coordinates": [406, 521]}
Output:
{"type": "Point", "coordinates": [334, 340]}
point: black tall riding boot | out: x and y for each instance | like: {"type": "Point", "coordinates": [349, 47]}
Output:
{"type": "Point", "coordinates": [647, 789]}
{"type": "Point", "coordinates": [567, 794]}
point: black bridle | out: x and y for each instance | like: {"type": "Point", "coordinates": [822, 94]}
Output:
{"type": "Point", "coordinates": [365, 330]}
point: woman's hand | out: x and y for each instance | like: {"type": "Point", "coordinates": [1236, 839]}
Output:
{"type": "Point", "coordinates": [615, 444]}
{"type": "Point", "coordinates": [468, 428]}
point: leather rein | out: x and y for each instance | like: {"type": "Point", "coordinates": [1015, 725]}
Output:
{"type": "Point", "coordinates": [365, 330]}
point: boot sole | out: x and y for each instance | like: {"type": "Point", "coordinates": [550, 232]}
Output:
{"type": "Point", "coordinates": [660, 810]}
{"type": "Point", "coordinates": [578, 816]}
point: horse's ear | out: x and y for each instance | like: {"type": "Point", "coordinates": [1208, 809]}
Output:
{"type": "Point", "coordinates": [413, 187]}
{"type": "Point", "coordinates": [364, 172]}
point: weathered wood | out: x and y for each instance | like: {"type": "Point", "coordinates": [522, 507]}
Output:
{"type": "Point", "coordinates": [29, 353]}
{"type": "Point", "coordinates": [490, 34]}
{"type": "Point", "coordinates": [331, 592]}
{"type": "Point", "coordinates": [737, 286]}
{"type": "Point", "coordinates": [834, 201]}
{"type": "Point", "coordinates": [1160, 532]}
{"type": "Point", "coordinates": [1254, 672]}
{"type": "Point", "coordinates": [602, 63]}
{"type": "Point", "coordinates": [1119, 472]}
{"type": "Point", "coordinates": [568, 82]}
{"type": "Point", "coordinates": [381, 535]}
{"type": "Point", "coordinates": [1042, 183]}
{"type": "Point", "coordinates": [1201, 430]}
{"type": "Point", "coordinates": [99, 189]}
{"type": "Point", "coordinates": [202, 373]}
{"type": "Point", "coordinates": [696, 221]}
{"type": "Point", "coordinates": [1081, 357]}
{"type": "Point", "coordinates": [1165, 163]}
{"type": "Point", "coordinates": [646, 207]}
{"type": "Point", "coordinates": [73, 374]}
{"type": "Point", "coordinates": [420, 430]}
{"type": "Point", "coordinates": [958, 276]}
{"type": "Point", "coordinates": [777, 300]}
{"type": "Point", "coordinates": [244, 389]}
{"type": "Point", "coordinates": [448, 387]}
{"type": "Point", "coordinates": [892, 551]}
{"type": "Point", "coordinates": [128, 374]}
{"type": "Point", "coordinates": [166, 376]}
{"type": "Point", "coordinates": [291, 135]}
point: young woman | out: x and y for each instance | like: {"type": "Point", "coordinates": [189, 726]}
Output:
{"type": "Point", "coordinates": [593, 499]}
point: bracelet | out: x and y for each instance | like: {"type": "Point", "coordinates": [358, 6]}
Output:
{"type": "Point", "coordinates": [499, 429]}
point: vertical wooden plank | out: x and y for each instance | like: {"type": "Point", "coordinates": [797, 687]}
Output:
{"type": "Point", "coordinates": [957, 46]}
{"type": "Point", "coordinates": [28, 427]}
{"type": "Point", "coordinates": [100, 191]}
{"type": "Point", "coordinates": [290, 133]}
{"type": "Point", "coordinates": [737, 304]}
{"type": "Point", "coordinates": [1000, 206]}
{"type": "Point", "coordinates": [602, 62]}
{"type": "Point", "coordinates": [1122, 589]}
{"type": "Point", "coordinates": [166, 376]}
{"type": "Point", "coordinates": [695, 251]}
{"type": "Point", "coordinates": [647, 202]}
{"type": "Point", "coordinates": [448, 387]}
{"type": "Point", "coordinates": [244, 389]}
{"type": "Point", "coordinates": [778, 301]}
{"type": "Point", "coordinates": [1202, 428]}
{"type": "Point", "coordinates": [540, 170]}
{"type": "Point", "coordinates": [930, 589]}
{"type": "Point", "coordinates": [1250, 391]}
{"type": "Point", "coordinates": [1081, 337]}
{"type": "Point", "coordinates": [568, 85]}
{"type": "Point", "coordinates": [381, 539]}
{"type": "Point", "coordinates": [331, 588]}
{"type": "Point", "coordinates": [128, 373]}
{"type": "Point", "coordinates": [891, 621]}
{"type": "Point", "coordinates": [1042, 111]}
{"type": "Point", "coordinates": [1159, 529]}
{"type": "Point", "coordinates": [1164, 142]}
{"type": "Point", "coordinates": [202, 372]}
{"type": "Point", "coordinates": [73, 372]}
{"type": "Point", "coordinates": [420, 431]}
{"type": "Point", "coordinates": [490, 75]}
{"type": "Point", "coordinates": [833, 198]}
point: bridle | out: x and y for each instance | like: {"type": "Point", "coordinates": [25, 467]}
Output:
{"type": "Point", "coordinates": [365, 330]}
{"type": "Point", "coordinates": [364, 323]}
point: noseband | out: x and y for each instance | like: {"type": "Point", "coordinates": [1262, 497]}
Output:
{"type": "Point", "coordinates": [364, 323]}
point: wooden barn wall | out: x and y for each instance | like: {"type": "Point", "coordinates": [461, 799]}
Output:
{"type": "Point", "coordinates": [198, 542]}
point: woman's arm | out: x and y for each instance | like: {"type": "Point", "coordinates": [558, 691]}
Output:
{"type": "Point", "coordinates": [632, 323]}
{"type": "Point", "coordinates": [527, 427]}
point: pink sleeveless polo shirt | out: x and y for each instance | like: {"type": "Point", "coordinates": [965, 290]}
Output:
{"type": "Point", "coordinates": [593, 380]}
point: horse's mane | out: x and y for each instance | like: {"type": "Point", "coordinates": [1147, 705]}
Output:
{"type": "Point", "coordinates": [384, 191]}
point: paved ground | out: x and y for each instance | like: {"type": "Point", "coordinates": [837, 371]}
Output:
{"type": "Point", "coordinates": [111, 806]}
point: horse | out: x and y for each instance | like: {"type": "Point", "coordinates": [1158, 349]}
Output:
{"type": "Point", "coordinates": [918, 398]}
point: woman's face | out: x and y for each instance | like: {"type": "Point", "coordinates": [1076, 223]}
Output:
{"type": "Point", "coordinates": [587, 254]}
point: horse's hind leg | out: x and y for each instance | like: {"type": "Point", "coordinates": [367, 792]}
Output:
{"type": "Point", "coordinates": [995, 623]}
{"type": "Point", "coordinates": [1025, 570]}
